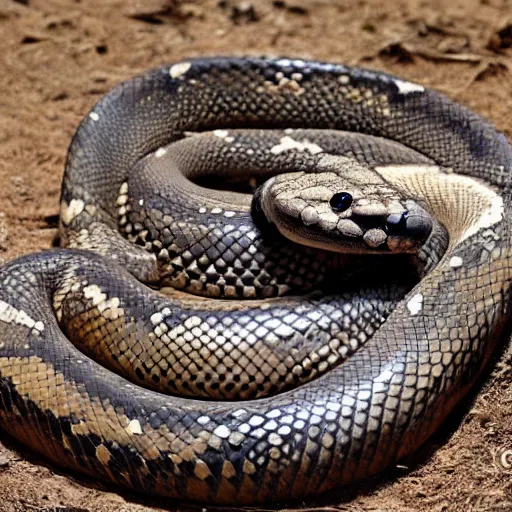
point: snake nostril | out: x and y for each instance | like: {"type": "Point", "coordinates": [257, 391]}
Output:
{"type": "Point", "coordinates": [396, 223]}
{"type": "Point", "coordinates": [408, 224]}
{"type": "Point", "coordinates": [418, 226]}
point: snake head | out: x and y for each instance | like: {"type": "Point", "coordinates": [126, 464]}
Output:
{"type": "Point", "coordinates": [347, 208]}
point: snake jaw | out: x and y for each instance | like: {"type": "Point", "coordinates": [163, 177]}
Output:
{"type": "Point", "coordinates": [379, 219]}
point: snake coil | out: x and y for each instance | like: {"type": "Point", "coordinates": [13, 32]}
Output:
{"type": "Point", "coordinates": [390, 384]}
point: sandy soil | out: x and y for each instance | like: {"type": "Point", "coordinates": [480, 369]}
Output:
{"type": "Point", "coordinates": [59, 56]}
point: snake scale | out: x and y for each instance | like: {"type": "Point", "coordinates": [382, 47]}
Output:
{"type": "Point", "coordinates": [370, 391]}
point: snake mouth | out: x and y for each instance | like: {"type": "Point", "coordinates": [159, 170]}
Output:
{"type": "Point", "coordinates": [403, 232]}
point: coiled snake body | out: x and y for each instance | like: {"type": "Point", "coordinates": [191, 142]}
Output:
{"type": "Point", "coordinates": [390, 384]}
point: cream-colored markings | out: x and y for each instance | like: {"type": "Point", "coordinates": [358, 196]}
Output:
{"type": "Point", "coordinates": [122, 199]}
{"type": "Point", "coordinates": [292, 85]}
{"type": "Point", "coordinates": [415, 304]}
{"type": "Point", "coordinates": [288, 144]}
{"type": "Point", "coordinates": [490, 217]}
{"type": "Point", "coordinates": [222, 431]}
{"type": "Point", "coordinates": [223, 134]}
{"type": "Point", "coordinates": [123, 189]}
{"type": "Point", "coordinates": [156, 318]}
{"type": "Point", "coordinates": [11, 315]}
{"type": "Point", "coordinates": [94, 292]}
{"type": "Point", "coordinates": [94, 116]}
{"type": "Point", "coordinates": [134, 427]}
{"type": "Point", "coordinates": [64, 398]}
{"type": "Point", "coordinates": [455, 262]}
{"type": "Point", "coordinates": [178, 70]}
{"type": "Point", "coordinates": [109, 307]}
{"type": "Point", "coordinates": [284, 84]}
{"type": "Point", "coordinates": [160, 152]}
{"type": "Point", "coordinates": [72, 210]}
{"type": "Point", "coordinates": [90, 209]}
{"type": "Point", "coordinates": [405, 87]}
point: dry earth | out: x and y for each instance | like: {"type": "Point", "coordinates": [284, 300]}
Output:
{"type": "Point", "coordinates": [59, 56]}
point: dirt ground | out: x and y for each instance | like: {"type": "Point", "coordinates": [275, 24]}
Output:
{"type": "Point", "coordinates": [59, 56]}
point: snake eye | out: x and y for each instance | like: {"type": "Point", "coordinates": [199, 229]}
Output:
{"type": "Point", "coordinates": [341, 201]}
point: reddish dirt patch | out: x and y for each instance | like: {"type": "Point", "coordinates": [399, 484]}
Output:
{"type": "Point", "coordinates": [60, 56]}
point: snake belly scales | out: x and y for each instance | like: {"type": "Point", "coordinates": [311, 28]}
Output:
{"type": "Point", "coordinates": [371, 392]}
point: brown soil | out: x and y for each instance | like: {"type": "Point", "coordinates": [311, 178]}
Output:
{"type": "Point", "coordinates": [60, 56]}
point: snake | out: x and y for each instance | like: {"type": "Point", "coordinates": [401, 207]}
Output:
{"type": "Point", "coordinates": [263, 377]}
